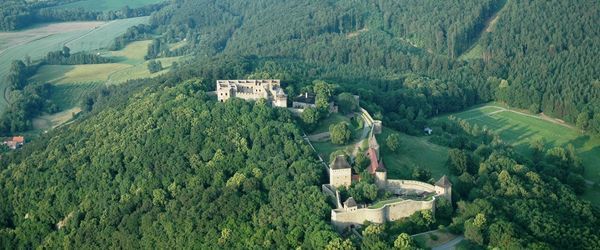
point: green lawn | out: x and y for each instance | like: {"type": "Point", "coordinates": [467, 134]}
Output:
{"type": "Point", "coordinates": [325, 148]}
{"type": "Point", "coordinates": [414, 152]}
{"type": "Point", "coordinates": [106, 5]}
{"type": "Point", "coordinates": [521, 129]}
{"type": "Point", "coordinates": [334, 118]}
{"type": "Point", "coordinates": [67, 96]}
{"type": "Point", "coordinates": [87, 39]}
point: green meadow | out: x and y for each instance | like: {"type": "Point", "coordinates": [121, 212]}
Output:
{"type": "Point", "coordinates": [414, 152]}
{"type": "Point", "coordinates": [43, 39]}
{"type": "Point", "coordinates": [520, 129]}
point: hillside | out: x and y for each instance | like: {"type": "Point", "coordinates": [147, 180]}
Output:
{"type": "Point", "coordinates": [171, 169]}
{"type": "Point", "coordinates": [155, 161]}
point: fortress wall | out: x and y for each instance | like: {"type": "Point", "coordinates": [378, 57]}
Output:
{"type": "Point", "coordinates": [342, 219]}
{"type": "Point", "coordinates": [406, 208]}
{"type": "Point", "coordinates": [393, 185]}
{"type": "Point", "coordinates": [367, 117]}
{"type": "Point", "coordinates": [333, 193]}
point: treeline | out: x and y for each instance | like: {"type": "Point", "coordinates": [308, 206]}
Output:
{"type": "Point", "coordinates": [368, 47]}
{"type": "Point", "coordinates": [506, 200]}
{"type": "Point", "coordinates": [25, 100]}
{"type": "Point", "coordinates": [550, 66]}
{"type": "Point", "coordinates": [64, 57]}
{"type": "Point", "coordinates": [219, 180]}
{"type": "Point", "coordinates": [16, 14]}
{"type": "Point", "coordinates": [29, 99]}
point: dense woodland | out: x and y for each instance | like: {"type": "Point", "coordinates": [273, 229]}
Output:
{"type": "Point", "coordinates": [158, 163]}
{"type": "Point", "coordinates": [232, 175]}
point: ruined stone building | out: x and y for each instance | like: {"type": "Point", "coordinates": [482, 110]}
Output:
{"type": "Point", "coordinates": [269, 90]}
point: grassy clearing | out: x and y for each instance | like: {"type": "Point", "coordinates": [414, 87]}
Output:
{"type": "Point", "coordinates": [133, 53]}
{"type": "Point", "coordinates": [522, 129]}
{"type": "Point", "coordinates": [46, 122]}
{"type": "Point", "coordinates": [519, 130]}
{"type": "Point", "coordinates": [67, 96]}
{"type": "Point", "coordinates": [65, 74]}
{"type": "Point", "coordinates": [332, 119]}
{"type": "Point", "coordinates": [79, 36]}
{"type": "Point", "coordinates": [106, 5]}
{"type": "Point", "coordinates": [414, 152]}
{"type": "Point", "coordinates": [325, 148]}
{"type": "Point", "coordinates": [474, 53]}
{"type": "Point", "coordinates": [441, 237]}
{"type": "Point", "coordinates": [130, 65]}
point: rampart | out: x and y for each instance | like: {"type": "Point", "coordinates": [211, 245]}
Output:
{"type": "Point", "coordinates": [404, 186]}
{"type": "Point", "coordinates": [342, 218]}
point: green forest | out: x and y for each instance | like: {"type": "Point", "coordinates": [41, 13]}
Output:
{"type": "Point", "coordinates": [158, 163]}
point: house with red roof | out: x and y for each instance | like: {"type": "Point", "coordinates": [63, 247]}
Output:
{"type": "Point", "coordinates": [15, 142]}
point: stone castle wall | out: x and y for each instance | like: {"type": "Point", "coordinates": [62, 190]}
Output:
{"type": "Point", "coordinates": [394, 185]}
{"type": "Point", "coordinates": [342, 219]}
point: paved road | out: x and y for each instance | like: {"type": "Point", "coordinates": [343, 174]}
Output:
{"type": "Point", "coordinates": [450, 244]}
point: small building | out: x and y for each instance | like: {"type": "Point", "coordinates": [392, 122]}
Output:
{"type": "Point", "coordinates": [428, 130]}
{"type": "Point", "coordinates": [304, 101]}
{"type": "Point", "coordinates": [15, 142]}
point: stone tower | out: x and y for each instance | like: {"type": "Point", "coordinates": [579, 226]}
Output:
{"type": "Point", "coordinates": [340, 172]}
{"type": "Point", "coordinates": [444, 187]}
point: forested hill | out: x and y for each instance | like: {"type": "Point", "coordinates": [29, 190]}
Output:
{"type": "Point", "coordinates": [171, 169]}
{"type": "Point", "coordinates": [544, 50]}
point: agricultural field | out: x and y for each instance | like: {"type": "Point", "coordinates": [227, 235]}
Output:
{"type": "Point", "coordinates": [414, 152]}
{"type": "Point", "coordinates": [520, 129]}
{"type": "Point", "coordinates": [38, 41]}
{"type": "Point", "coordinates": [106, 5]}
{"type": "Point", "coordinates": [72, 83]}
{"type": "Point", "coordinates": [130, 64]}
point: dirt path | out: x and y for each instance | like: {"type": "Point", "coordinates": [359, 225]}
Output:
{"type": "Point", "coordinates": [490, 24]}
{"type": "Point", "coordinates": [450, 244]}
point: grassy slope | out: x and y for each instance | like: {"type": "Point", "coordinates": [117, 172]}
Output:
{"type": "Point", "coordinates": [106, 5]}
{"type": "Point", "coordinates": [130, 65]}
{"type": "Point", "coordinates": [326, 148]}
{"type": "Point", "coordinates": [414, 152]}
{"type": "Point", "coordinates": [78, 40]}
{"type": "Point", "coordinates": [520, 130]}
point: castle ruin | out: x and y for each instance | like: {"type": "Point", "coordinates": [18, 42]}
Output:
{"type": "Point", "coordinates": [269, 90]}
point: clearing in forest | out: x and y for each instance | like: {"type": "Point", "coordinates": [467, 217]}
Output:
{"type": "Point", "coordinates": [38, 41]}
{"type": "Point", "coordinates": [520, 129]}
{"type": "Point", "coordinates": [414, 152]}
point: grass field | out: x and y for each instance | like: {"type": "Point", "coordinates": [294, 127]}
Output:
{"type": "Point", "coordinates": [46, 122]}
{"type": "Point", "coordinates": [441, 237]}
{"type": "Point", "coordinates": [325, 148]}
{"type": "Point", "coordinates": [130, 65]}
{"type": "Point", "coordinates": [67, 96]}
{"type": "Point", "coordinates": [414, 152]}
{"type": "Point", "coordinates": [36, 42]}
{"type": "Point", "coordinates": [106, 5]}
{"type": "Point", "coordinates": [520, 129]}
